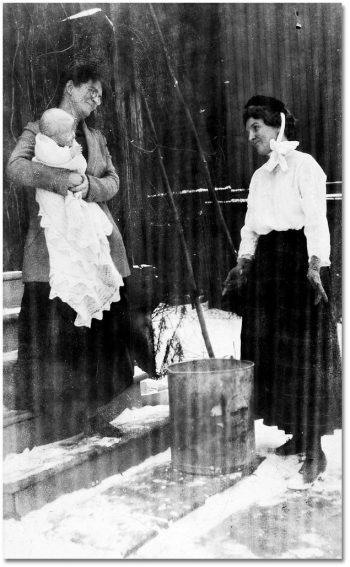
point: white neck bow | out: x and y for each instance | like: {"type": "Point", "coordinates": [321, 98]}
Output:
{"type": "Point", "coordinates": [280, 149]}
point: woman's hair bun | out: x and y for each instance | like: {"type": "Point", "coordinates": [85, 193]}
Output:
{"type": "Point", "coordinates": [269, 102]}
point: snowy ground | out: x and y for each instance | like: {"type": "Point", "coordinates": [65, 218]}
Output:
{"type": "Point", "coordinates": [244, 522]}
{"type": "Point", "coordinates": [260, 518]}
{"type": "Point", "coordinates": [180, 325]}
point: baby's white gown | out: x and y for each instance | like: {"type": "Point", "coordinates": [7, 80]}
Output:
{"type": "Point", "coordinates": [82, 273]}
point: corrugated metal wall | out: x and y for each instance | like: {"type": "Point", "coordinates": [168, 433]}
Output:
{"type": "Point", "coordinates": [264, 52]}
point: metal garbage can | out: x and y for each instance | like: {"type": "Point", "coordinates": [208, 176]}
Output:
{"type": "Point", "coordinates": [211, 415]}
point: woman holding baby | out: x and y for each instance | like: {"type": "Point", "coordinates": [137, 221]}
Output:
{"type": "Point", "coordinates": [64, 369]}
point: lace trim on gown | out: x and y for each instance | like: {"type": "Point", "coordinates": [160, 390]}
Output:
{"type": "Point", "coordinates": [82, 273]}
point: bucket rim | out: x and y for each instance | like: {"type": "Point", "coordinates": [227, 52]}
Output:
{"type": "Point", "coordinates": [247, 364]}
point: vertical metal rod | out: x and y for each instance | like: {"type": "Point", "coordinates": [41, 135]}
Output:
{"type": "Point", "coordinates": [211, 187]}
{"type": "Point", "coordinates": [195, 296]}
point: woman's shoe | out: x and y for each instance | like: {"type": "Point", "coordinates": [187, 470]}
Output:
{"type": "Point", "coordinates": [311, 470]}
{"type": "Point", "coordinates": [291, 447]}
{"type": "Point", "coordinates": [313, 467]}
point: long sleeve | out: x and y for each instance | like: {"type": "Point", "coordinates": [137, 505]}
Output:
{"type": "Point", "coordinates": [294, 199]}
{"type": "Point", "coordinates": [24, 172]}
{"type": "Point", "coordinates": [312, 187]}
{"type": "Point", "coordinates": [104, 186]}
{"type": "Point", "coordinates": [249, 238]}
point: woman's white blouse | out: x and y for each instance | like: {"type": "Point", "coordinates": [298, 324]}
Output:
{"type": "Point", "coordinates": [292, 199]}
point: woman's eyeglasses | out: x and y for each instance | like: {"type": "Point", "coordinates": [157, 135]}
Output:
{"type": "Point", "coordinates": [95, 95]}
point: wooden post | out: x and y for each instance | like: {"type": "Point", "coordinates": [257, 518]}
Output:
{"type": "Point", "coordinates": [195, 295]}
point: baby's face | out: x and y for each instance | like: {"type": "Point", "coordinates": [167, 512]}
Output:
{"type": "Point", "coordinates": [63, 131]}
{"type": "Point", "coordinates": [65, 136]}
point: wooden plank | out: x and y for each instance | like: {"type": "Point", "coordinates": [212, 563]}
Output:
{"type": "Point", "coordinates": [14, 275]}
{"type": "Point", "coordinates": [85, 469]}
{"type": "Point", "coordinates": [12, 290]}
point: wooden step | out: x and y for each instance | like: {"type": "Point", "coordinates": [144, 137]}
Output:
{"type": "Point", "coordinates": [18, 431]}
{"type": "Point", "coordinates": [12, 297]}
{"type": "Point", "coordinates": [10, 314]}
{"type": "Point", "coordinates": [9, 360]}
{"type": "Point", "coordinates": [12, 289]}
{"type": "Point", "coordinates": [22, 429]}
{"type": "Point", "coordinates": [10, 328]}
{"type": "Point", "coordinates": [35, 478]}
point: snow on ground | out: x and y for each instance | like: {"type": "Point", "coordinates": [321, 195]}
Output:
{"type": "Point", "coordinates": [45, 457]}
{"type": "Point", "coordinates": [223, 329]}
{"type": "Point", "coordinates": [33, 535]}
{"type": "Point", "coordinates": [53, 455]}
{"type": "Point", "coordinates": [136, 417]}
{"type": "Point", "coordinates": [39, 535]}
{"type": "Point", "coordinates": [194, 536]}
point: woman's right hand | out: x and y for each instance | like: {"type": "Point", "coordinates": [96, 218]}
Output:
{"type": "Point", "coordinates": [81, 184]}
{"type": "Point", "coordinates": [238, 276]}
{"type": "Point", "coordinates": [74, 180]}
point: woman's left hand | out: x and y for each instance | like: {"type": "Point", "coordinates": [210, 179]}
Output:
{"type": "Point", "coordinates": [314, 278]}
{"type": "Point", "coordinates": [83, 187]}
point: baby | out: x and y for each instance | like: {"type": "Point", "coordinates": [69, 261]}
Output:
{"type": "Point", "coordinates": [82, 273]}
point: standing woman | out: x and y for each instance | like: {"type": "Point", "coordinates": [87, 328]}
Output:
{"type": "Point", "coordinates": [64, 371]}
{"type": "Point", "coordinates": [282, 278]}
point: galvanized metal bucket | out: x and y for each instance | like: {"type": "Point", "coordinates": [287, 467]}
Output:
{"type": "Point", "coordinates": [211, 415]}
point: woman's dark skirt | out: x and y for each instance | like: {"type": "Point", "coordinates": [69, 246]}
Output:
{"type": "Point", "coordinates": [292, 342]}
{"type": "Point", "coordinates": [63, 366]}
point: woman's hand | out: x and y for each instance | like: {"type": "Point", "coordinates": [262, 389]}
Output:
{"type": "Point", "coordinates": [313, 275]}
{"type": "Point", "coordinates": [237, 277]}
{"type": "Point", "coordinates": [77, 183]}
